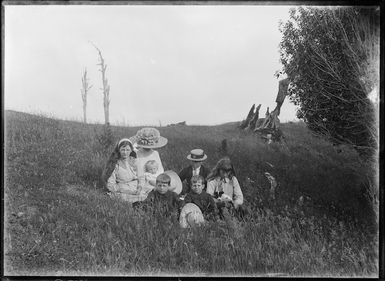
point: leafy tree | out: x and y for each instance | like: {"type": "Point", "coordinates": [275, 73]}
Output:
{"type": "Point", "coordinates": [331, 57]}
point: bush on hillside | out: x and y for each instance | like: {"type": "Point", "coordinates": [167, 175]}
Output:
{"type": "Point", "coordinates": [331, 58]}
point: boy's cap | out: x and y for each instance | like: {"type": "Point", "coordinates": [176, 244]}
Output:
{"type": "Point", "coordinates": [197, 155]}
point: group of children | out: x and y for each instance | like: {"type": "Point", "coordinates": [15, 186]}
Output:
{"type": "Point", "coordinates": [137, 176]}
{"type": "Point", "coordinates": [206, 196]}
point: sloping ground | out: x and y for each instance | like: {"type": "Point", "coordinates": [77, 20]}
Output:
{"type": "Point", "coordinates": [58, 220]}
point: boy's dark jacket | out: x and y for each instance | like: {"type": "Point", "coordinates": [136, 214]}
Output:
{"type": "Point", "coordinates": [166, 203]}
{"type": "Point", "coordinates": [204, 201]}
{"type": "Point", "coordinates": [186, 174]}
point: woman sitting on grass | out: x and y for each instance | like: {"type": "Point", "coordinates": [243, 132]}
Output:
{"type": "Point", "coordinates": [224, 187]}
{"type": "Point", "coordinates": [120, 174]}
{"type": "Point", "coordinates": [147, 140]}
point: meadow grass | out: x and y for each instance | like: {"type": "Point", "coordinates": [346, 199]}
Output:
{"type": "Point", "coordinates": [59, 221]}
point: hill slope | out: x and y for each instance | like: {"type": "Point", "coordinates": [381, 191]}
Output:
{"type": "Point", "coordinates": [58, 218]}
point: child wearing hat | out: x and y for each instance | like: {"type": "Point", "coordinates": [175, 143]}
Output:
{"type": "Point", "coordinates": [196, 157]}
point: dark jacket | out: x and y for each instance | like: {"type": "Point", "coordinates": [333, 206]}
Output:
{"type": "Point", "coordinates": [204, 201]}
{"type": "Point", "coordinates": [165, 204]}
{"type": "Point", "coordinates": [186, 174]}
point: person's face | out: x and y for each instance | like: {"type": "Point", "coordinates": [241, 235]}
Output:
{"type": "Point", "coordinates": [196, 164]}
{"type": "Point", "coordinates": [125, 151]}
{"type": "Point", "coordinates": [152, 169]}
{"type": "Point", "coordinates": [224, 173]}
{"type": "Point", "coordinates": [162, 187]}
{"type": "Point", "coordinates": [197, 187]}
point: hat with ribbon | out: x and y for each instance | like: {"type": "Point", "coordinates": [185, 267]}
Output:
{"type": "Point", "coordinates": [150, 138]}
{"type": "Point", "coordinates": [197, 155]}
{"type": "Point", "coordinates": [190, 216]}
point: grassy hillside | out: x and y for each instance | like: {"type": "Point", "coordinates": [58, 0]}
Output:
{"type": "Point", "coordinates": [58, 219]}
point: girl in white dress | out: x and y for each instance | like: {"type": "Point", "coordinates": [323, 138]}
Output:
{"type": "Point", "coordinates": [120, 174]}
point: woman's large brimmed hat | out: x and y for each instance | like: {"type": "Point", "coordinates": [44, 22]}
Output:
{"type": "Point", "coordinates": [197, 155]}
{"type": "Point", "coordinates": [150, 138]}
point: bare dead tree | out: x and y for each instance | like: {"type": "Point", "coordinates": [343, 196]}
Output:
{"type": "Point", "coordinates": [261, 121]}
{"type": "Point", "coordinates": [246, 122]}
{"type": "Point", "coordinates": [84, 90]}
{"type": "Point", "coordinates": [283, 85]}
{"type": "Point", "coordinates": [106, 87]}
{"type": "Point", "coordinates": [253, 121]}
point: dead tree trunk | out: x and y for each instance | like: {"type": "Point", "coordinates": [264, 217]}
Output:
{"type": "Point", "coordinates": [261, 121]}
{"type": "Point", "coordinates": [282, 92]}
{"type": "Point", "coordinates": [105, 89]}
{"type": "Point", "coordinates": [246, 122]}
{"type": "Point", "coordinates": [254, 120]}
{"type": "Point", "coordinates": [84, 90]}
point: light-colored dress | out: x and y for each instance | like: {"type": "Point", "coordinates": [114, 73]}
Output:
{"type": "Point", "coordinates": [229, 187]}
{"type": "Point", "coordinates": [123, 183]}
{"type": "Point", "coordinates": [147, 187]}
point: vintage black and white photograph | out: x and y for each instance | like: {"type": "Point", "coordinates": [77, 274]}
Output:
{"type": "Point", "coordinates": [205, 139]}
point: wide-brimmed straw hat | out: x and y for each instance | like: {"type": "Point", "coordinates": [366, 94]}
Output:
{"type": "Point", "coordinates": [150, 138]}
{"type": "Point", "coordinates": [197, 155]}
{"type": "Point", "coordinates": [191, 216]}
{"type": "Point", "coordinates": [176, 183]}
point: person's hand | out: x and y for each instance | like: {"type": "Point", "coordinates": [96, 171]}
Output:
{"type": "Point", "coordinates": [138, 190]}
{"type": "Point", "coordinates": [236, 205]}
{"type": "Point", "coordinates": [225, 198]}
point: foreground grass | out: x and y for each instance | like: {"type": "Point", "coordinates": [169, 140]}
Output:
{"type": "Point", "coordinates": [59, 222]}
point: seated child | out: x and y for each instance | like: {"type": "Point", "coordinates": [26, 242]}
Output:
{"type": "Point", "coordinates": [223, 185]}
{"type": "Point", "coordinates": [196, 157]}
{"type": "Point", "coordinates": [199, 197]}
{"type": "Point", "coordinates": [120, 173]}
{"type": "Point", "coordinates": [160, 198]}
{"type": "Point", "coordinates": [150, 174]}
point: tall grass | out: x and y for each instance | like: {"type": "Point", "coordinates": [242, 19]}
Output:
{"type": "Point", "coordinates": [60, 222]}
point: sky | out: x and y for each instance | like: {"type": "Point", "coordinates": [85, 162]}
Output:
{"type": "Point", "coordinates": [201, 64]}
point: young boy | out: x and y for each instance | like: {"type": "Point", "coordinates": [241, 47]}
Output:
{"type": "Point", "coordinates": [199, 197]}
{"type": "Point", "coordinates": [160, 198]}
{"type": "Point", "coordinates": [196, 157]}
